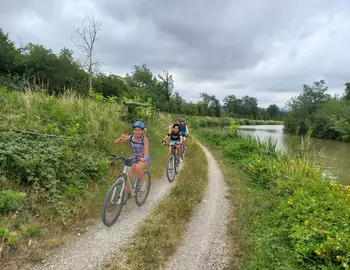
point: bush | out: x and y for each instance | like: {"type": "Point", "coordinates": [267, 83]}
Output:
{"type": "Point", "coordinates": [11, 200]}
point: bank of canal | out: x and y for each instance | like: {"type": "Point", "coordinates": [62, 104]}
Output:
{"type": "Point", "coordinates": [335, 154]}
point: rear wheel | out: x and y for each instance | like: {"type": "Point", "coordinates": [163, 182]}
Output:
{"type": "Point", "coordinates": [170, 169]}
{"type": "Point", "coordinates": [142, 190]}
{"type": "Point", "coordinates": [113, 202]}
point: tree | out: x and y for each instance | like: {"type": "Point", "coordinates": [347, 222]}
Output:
{"type": "Point", "coordinates": [210, 105]}
{"type": "Point", "coordinates": [111, 85]}
{"type": "Point", "coordinates": [303, 107]}
{"type": "Point", "coordinates": [86, 37]}
{"type": "Point", "coordinates": [273, 111]}
{"type": "Point", "coordinates": [9, 56]}
{"type": "Point", "coordinates": [346, 95]}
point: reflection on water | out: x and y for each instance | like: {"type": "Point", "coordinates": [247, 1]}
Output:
{"type": "Point", "coordinates": [336, 155]}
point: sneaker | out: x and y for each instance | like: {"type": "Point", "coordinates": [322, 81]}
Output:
{"type": "Point", "coordinates": [143, 186]}
{"type": "Point", "coordinates": [181, 160]}
{"type": "Point", "coordinates": [119, 201]}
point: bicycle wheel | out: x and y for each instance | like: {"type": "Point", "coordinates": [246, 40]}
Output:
{"type": "Point", "coordinates": [140, 194]}
{"type": "Point", "coordinates": [177, 163]}
{"type": "Point", "coordinates": [113, 202]}
{"type": "Point", "coordinates": [170, 170]}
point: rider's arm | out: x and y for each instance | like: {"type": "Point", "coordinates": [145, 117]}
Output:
{"type": "Point", "coordinates": [187, 130]}
{"type": "Point", "coordinates": [166, 137]}
{"type": "Point", "coordinates": [123, 138]}
{"type": "Point", "coordinates": [180, 138]}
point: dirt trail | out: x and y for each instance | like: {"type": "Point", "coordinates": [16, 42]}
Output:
{"type": "Point", "coordinates": [204, 243]}
{"type": "Point", "coordinates": [92, 249]}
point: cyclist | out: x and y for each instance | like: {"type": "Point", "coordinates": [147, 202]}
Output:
{"type": "Point", "coordinates": [184, 130]}
{"type": "Point", "coordinates": [177, 122]}
{"type": "Point", "coordinates": [175, 139]}
{"type": "Point", "coordinates": [139, 145]}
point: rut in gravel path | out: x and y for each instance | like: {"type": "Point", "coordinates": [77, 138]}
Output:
{"type": "Point", "coordinates": [92, 249]}
{"type": "Point", "coordinates": [205, 244]}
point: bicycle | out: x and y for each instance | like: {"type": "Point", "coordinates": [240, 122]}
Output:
{"type": "Point", "coordinates": [173, 163]}
{"type": "Point", "coordinates": [117, 190]}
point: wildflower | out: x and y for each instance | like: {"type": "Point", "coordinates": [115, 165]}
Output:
{"type": "Point", "coordinates": [306, 222]}
{"type": "Point", "coordinates": [290, 202]}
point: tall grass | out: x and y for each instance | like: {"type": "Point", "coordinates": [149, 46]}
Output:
{"type": "Point", "coordinates": [201, 121]}
{"type": "Point", "coordinates": [287, 216]}
{"type": "Point", "coordinates": [162, 232]}
{"type": "Point", "coordinates": [54, 149]}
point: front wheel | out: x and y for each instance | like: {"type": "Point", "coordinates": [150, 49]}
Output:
{"type": "Point", "coordinates": [142, 190]}
{"type": "Point", "coordinates": [113, 202]}
{"type": "Point", "coordinates": [170, 169]}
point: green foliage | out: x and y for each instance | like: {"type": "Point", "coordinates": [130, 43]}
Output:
{"type": "Point", "coordinates": [11, 200]}
{"type": "Point", "coordinates": [315, 110]}
{"type": "Point", "coordinates": [302, 220]}
{"type": "Point", "coordinates": [31, 231]}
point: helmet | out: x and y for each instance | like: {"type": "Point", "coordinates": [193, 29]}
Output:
{"type": "Point", "coordinates": [182, 119]}
{"type": "Point", "coordinates": [138, 124]}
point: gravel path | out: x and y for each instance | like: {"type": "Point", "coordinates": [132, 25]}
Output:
{"type": "Point", "coordinates": [92, 249]}
{"type": "Point", "coordinates": [204, 245]}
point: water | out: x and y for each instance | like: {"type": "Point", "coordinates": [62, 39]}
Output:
{"type": "Point", "coordinates": [336, 155]}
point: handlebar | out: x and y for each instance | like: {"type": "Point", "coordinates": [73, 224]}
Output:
{"type": "Point", "coordinates": [128, 161]}
{"type": "Point", "coordinates": [168, 144]}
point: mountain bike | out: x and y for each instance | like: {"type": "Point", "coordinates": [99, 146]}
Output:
{"type": "Point", "coordinates": [173, 164]}
{"type": "Point", "coordinates": [116, 196]}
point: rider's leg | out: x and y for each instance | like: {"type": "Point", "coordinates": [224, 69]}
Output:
{"type": "Point", "coordinates": [170, 150]}
{"type": "Point", "coordinates": [139, 170]}
{"type": "Point", "coordinates": [185, 142]}
{"type": "Point", "coordinates": [178, 147]}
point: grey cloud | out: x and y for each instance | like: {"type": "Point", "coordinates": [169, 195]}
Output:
{"type": "Point", "coordinates": [213, 42]}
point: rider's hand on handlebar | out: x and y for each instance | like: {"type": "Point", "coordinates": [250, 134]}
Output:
{"type": "Point", "coordinates": [163, 142]}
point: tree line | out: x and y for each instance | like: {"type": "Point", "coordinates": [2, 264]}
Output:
{"type": "Point", "coordinates": [34, 66]}
{"type": "Point", "coordinates": [317, 112]}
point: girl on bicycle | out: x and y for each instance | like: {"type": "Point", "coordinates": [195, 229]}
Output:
{"type": "Point", "coordinates": [139, 145]}
{"type": "Point", "coordinates": [175, 139]}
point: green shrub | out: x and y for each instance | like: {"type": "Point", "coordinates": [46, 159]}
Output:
{"type": "Point", "coordinates": [11, 200]}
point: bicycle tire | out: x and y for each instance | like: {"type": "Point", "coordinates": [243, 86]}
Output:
{"type": "Point", "coordinates": [170, 161]}
{"type": "Point", "coordinates": [137, 189]}
{"type": "Point", "coordinates": [120, 180]}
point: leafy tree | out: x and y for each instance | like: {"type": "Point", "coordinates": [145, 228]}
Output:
{"type": "Point", "coordinates": [10, 57]}
{"type": "Point", "coordinates": [273, 111]}
{"type": "Point", "coordinates": [111, 85]}
{"type": "Point", "coordinates": [346, 95]}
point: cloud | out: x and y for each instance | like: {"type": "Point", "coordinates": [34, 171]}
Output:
{"type": "Point", "coordinates": [267, 49]}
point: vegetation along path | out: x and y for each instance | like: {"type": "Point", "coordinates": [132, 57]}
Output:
{"type": "Point", "coordinates": [205, 242]}
{"type": "Point", "coordinates": [98, 244]}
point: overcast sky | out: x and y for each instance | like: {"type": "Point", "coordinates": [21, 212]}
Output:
{"type": "Point", "coordinates": [267, 49]}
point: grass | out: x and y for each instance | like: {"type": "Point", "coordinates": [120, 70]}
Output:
{"type": "Point", "coordinates": [201, 121]}
{"type": "Point", "coordinates": [63, 179]}
{"type": "Point", "coordinates": [285, 215]}
{"type": "Point", "coordinates": [159, 236]}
